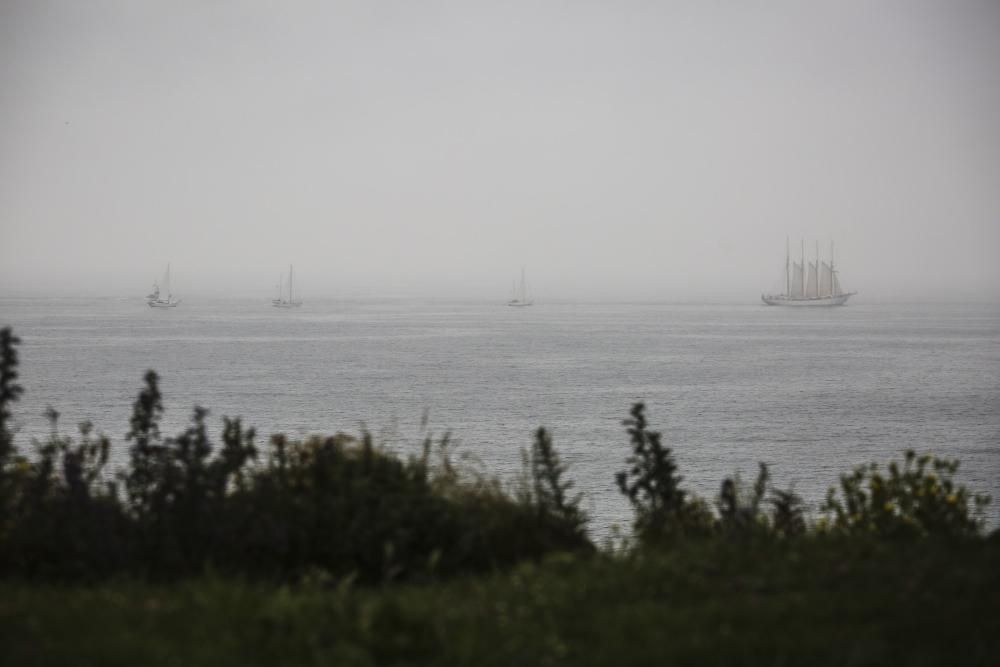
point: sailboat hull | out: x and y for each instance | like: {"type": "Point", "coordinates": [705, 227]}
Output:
{"type": "Point", "coordinates": [163, 304]}
{"type": "Point", "coordinates": [799, 302]}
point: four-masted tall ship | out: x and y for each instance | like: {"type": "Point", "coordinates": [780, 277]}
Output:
{"type": "Point", "coordinates": [812, 284]}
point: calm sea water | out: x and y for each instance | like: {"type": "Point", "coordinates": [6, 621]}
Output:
{"type": "Point", "coordinates": [811, 392]}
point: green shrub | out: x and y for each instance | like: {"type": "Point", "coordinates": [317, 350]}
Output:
{"type": "Point", "coordinates": [11, 469]}
{"type": "Point", "coordinates": [324, 507]}
{"type": "Point", "coordinates": [919, 499]}
{"type": "Point", "coordinates": [739, 510]}
{"type": "Point", "coordinates": [663, 511]}
{"type": "Point", "coordinates": [342, 507]}
{"type": "Point", "coordinates": [66, 520]}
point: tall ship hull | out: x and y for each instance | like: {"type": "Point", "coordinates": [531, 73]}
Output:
{"type": "Point", "coordinates": [784, 300]}
{"type": "Point", "coordinates": [809, 284]}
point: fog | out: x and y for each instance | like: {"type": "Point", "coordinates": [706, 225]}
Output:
{"type": "Point", "coordinates": [617, 150]}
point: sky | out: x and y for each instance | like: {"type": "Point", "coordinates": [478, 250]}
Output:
{"type": "Point", "coordinates": [621, 150]}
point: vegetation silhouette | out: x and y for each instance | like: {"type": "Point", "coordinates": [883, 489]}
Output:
{"type": "Point", "coordinates": [337, 506]}
{"type": "Point", "coordinates": [319, 550]}
{"type": "Point", "coordinates": [342, 507]}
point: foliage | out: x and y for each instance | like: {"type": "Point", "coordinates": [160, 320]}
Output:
{"type": "Point", "coordinates": [342, 508]}
{"type": "Point", "coordinates": [812, 602]}
{"type": "Point", "coordinates": [739, 511]}
{"type": "Point", "coordinates": [920, 498]}
{"type": "Point", "coordinates": [66, 519]}
{"type": "Point", "coordinates": [662, 509]}
{"type": "Point", "coordinates": [10, 391]}
{"type": "Point", "coordinates": [335, 506]}
{"type": "Point", "coordinates": [787, 513]}
{"type": "Point", "coordinates": [549, 484]}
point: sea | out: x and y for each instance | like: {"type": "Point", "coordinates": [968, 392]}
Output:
{"type": "Point", "coordinates": [810, 392]}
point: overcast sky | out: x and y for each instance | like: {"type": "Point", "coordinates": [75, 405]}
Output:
{"type": "Point", "coordinates": [618, 150]}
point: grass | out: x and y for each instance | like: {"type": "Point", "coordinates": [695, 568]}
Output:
{"type": "Point", "coordinates": [811, 601]}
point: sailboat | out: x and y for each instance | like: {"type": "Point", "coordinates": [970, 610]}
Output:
{"type": "Point", "coordinates": [519, 294]}
{"type": "Point", "coordinates": [281, 301]}
{"type": "Point", "coordinates": [155, 298]}
{"type": "Point", "coordinates": [815, 284]}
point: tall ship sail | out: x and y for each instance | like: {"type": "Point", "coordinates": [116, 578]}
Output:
{"type": "Point", "coordinates": [809, 284]}
{"type": "Point", "coordinates": [519, 294]}
{"type": "Point", "coordinates": [281, 301]}
{"type": "Point", "coordinates": [155, 299]}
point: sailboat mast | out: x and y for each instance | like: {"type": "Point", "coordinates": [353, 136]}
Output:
{"type": "Point", "coordinates": [817, 269]}
{"type": "Point", "coordinates": [290, 297]}
{"type": "Point", "coordinates": [802, 270]}
{"type": "Point", "coordinates": [832, 293]}
{"type": "Point", "coordinates": [788, 288]}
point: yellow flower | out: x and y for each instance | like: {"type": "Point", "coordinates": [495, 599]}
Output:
{"type": "Point", "coordinates": [952, 499]}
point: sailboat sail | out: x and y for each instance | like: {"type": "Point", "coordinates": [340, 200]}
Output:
{"type": "Point", "coordinates": [796, 287]}
{"type": "Point", "coordinates": [825, 285]}
{"type": "Point", "coordinates": [155, 298]}
{"type": "Point", "coordinates": [519, 293]}
{"type": "Point", "coordinates": [812, 290]}
{"type": "Point", "coordinates": [281, 301]}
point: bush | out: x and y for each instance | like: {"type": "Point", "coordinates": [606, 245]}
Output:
{"type": "Point", "coordinates": [335, 506]}
{"type": "Point", "coordinates": [919, 499]}
{"type": "Point", "coordinates": [341, 507]}
{"type": "Point", "coordinates": [66, 521]}
{"type": "Point", "coordinates": [741, 514]}
{"type": "Point", "coordinates": [663, 511]}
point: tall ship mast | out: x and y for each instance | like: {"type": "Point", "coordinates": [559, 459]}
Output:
{"type": "Point", "coordinates": [809, 284]}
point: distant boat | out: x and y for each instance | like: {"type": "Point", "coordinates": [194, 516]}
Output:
{"type": "Point", "coordinates": [519, 294]}
{"type": "Point", "coordinates": [281, 301]}
{"type": "Point", "coordinates": [815, 284]}
{"type": "Point", "coordinates": [155, 298]}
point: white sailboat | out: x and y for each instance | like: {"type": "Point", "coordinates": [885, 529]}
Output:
{"type": "Point", "coordinates": [519, 294]}
{"type": "Point", "coordinates": [281, 301]}
{"type": "Point", "coordinates": [812, 284]}
{"type": "Point", "coordinates": [155, 298]}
